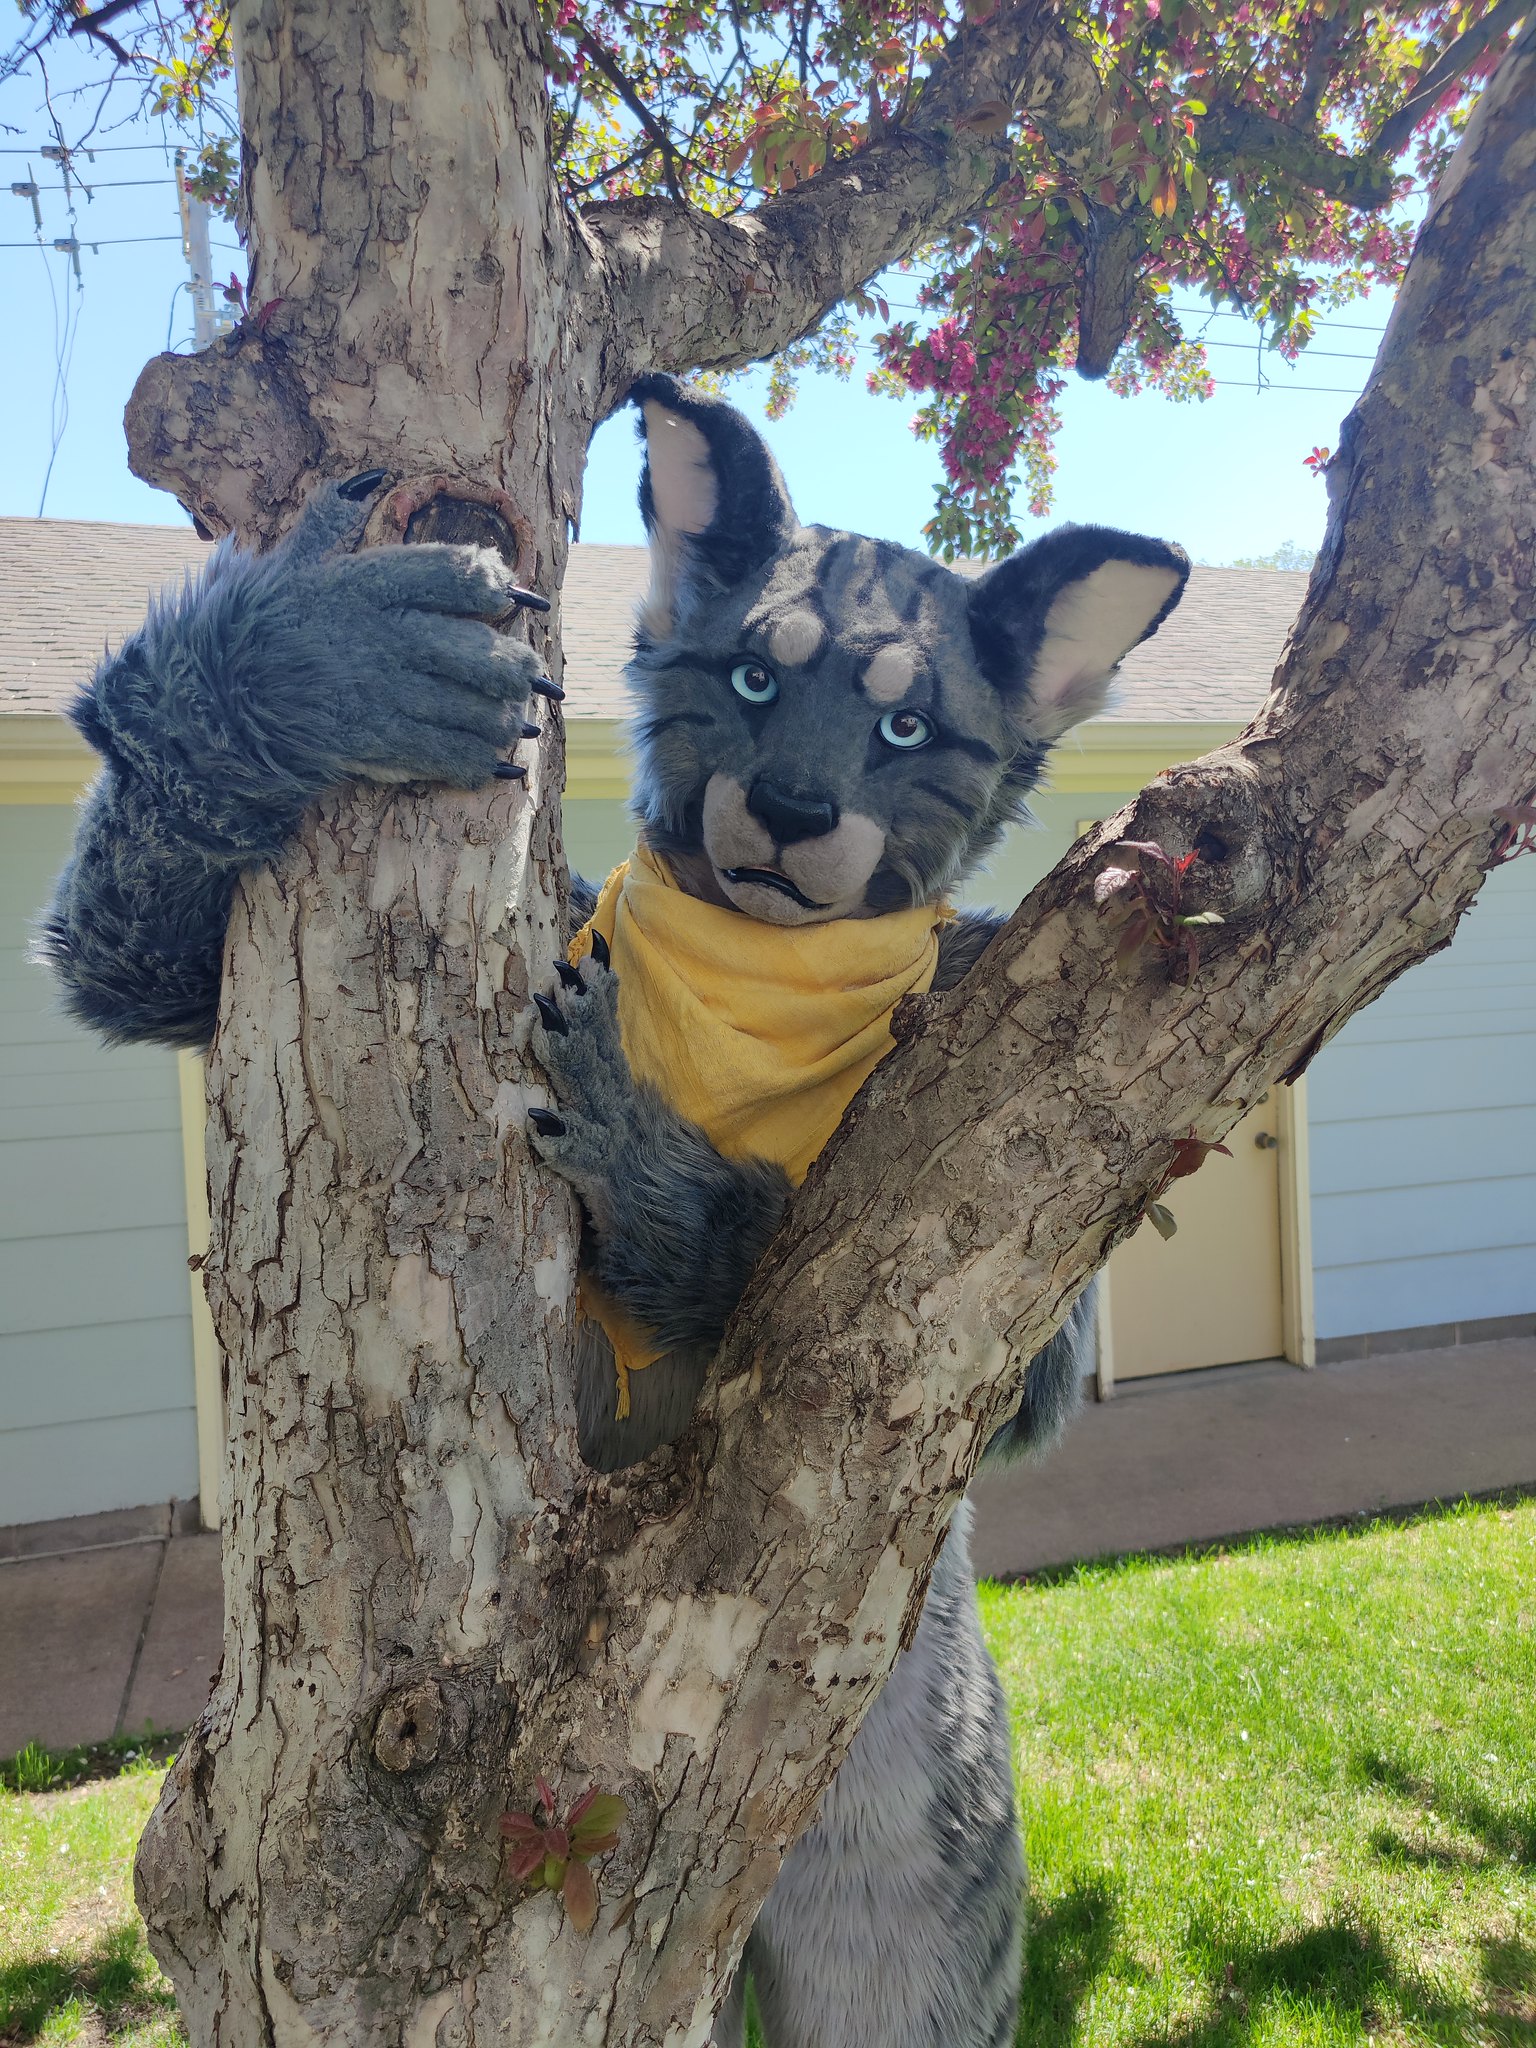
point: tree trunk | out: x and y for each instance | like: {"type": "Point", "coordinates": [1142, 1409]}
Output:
{"type": "Point", "coordinates": [430, 1601]}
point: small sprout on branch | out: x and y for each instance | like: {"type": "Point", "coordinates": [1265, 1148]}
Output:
{"type": "Point", "coordinates": [1189, 1155]}
{"type": "Point", "coordinates": [546, 1854]}
{"type": "Point", "coordinates": [1516, 834]}
{"type": "Point", "coordinates": [1150, 896]}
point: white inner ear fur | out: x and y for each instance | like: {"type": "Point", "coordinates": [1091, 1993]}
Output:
{"type": "Point", "coordinates": [684, 490]}
{"type": "Point", "coordinates": [684, 495]}
{"type": "Point", "coordinates": [1090, 627]}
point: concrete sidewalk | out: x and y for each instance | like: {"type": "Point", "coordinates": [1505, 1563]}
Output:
{"type": "Point", "coordinates": [106, 1639]}
{"type": "Point", "coordinates": [1195, 1457]}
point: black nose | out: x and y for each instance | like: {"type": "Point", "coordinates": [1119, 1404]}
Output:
{"type": "Point", "coordinates": [791, 817]}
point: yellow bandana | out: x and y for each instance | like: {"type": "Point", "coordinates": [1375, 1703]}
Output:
{"type": "Point", "coordinates": [761, 1034]}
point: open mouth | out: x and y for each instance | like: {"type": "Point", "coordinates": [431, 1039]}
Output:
{"type": "Point", "coordinates": [770, 878]}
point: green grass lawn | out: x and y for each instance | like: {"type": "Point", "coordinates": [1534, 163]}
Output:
{"type": "Point", "coordinates": [73, 1964]}
{"type": "Point", "coordinates": [1285, 1796]}
{"type": "Point", "coordinates": [1279, 1798]}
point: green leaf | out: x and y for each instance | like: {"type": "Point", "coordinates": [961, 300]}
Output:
{"type": "Point", "coordinates": [1204, 917]}
{"type": "Point", "coordinates": [594, 1824]}
{"type": "Point", "coordinates": [1161, 1219]}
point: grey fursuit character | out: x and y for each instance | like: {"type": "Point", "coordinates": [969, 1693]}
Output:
{"type": "Point", "coordinates": [830, 729]}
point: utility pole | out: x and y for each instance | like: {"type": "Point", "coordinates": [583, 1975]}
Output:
{"type": "Point", "coordinates": [211, 317]}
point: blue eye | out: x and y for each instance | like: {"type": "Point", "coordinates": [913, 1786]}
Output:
{"type": "Point", "coordinates": [757, 684]}
{"type": "Point", "coordinates": [905, 729]}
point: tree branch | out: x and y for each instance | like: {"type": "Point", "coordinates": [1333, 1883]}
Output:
{"type": "Point", "coordinates": [606, 63]}
{"type": "Point", "coordinates": [1237, 133]}
{"type": "Point", "coordinates": [1452, 63]}
{"type": "Point", "coordinates": [687, 290]}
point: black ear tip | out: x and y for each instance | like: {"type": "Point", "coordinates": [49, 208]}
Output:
{"type": "Point", "coordinates": [660, 386]}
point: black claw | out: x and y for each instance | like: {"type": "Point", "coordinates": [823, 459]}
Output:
{"type": "Point", "coordinates": [530, 599]}
{"type": "Point", "coordinates": [599, 949]}
{"type": "Point", "coordinates": [568, 974]}
{"type": "Point", "coordinates": [546, 1123]}
{"type": "Point", "coordinates": [359, 487]}
{"type": "Point", "coordinates": [530, 730]}
{"type": "Point", "coordinates": [510, 771]}
{"type": "Point", "coordinates": [543, 687]}
{"type": "Point", "coordinates": [553, 1021]}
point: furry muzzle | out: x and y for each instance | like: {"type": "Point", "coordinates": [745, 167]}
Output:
{"type": "Point", "coordinates": [809, 881]}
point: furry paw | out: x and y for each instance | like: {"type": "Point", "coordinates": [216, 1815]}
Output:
{"type": "Point", "coordinates": [312, 663]}
{"type": "Point", "coordinates": [578, 1044]}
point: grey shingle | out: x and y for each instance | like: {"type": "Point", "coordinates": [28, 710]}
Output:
{"type": "Point", "coordinates": [70, 586]}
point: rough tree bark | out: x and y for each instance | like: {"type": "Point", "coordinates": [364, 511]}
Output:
{"type": "Point", "coordinates": [429, 1599]}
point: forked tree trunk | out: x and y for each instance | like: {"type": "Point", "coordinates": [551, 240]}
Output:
{"type": "Point", "coordinates": [429, 1601]}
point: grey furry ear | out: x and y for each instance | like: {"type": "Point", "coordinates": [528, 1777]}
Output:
{"type": "Point", "coordinates": [1052, 624]}
{"type": "Point", "coordinates": [711, 495]}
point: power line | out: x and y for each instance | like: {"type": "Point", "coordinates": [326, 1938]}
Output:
{"type": "Point", "coordinates": [106, 185]}
{"type": "Point", "coordinates": [90, 150]}
{"type": "Point", "coordinates": [1313, 355]}
{"type": "Point", "coordinates": [1222, 313]}
{"type": "Point", "coordinates": [69, 243]}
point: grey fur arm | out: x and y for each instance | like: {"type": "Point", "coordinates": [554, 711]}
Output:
{"type": "Point", "coordinates": [242, 697]}
{"type": "Point", "coordinates": [683, 1226]}
{"type": "Point", "coordinates": [135, 932]}
{"type": "Point", "coordinates": [674, 1227]}
{"type": "Point", "coordinates": [962, 943]}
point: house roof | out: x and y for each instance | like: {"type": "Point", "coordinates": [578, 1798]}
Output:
{"type": "Point", "coordinates": [70, 586]}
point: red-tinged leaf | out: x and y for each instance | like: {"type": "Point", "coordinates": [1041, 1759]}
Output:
{"type": "Point", "coordinates": [546, 1797]}
{"type": "Point", "coordinates": [885, 311]}
{"type": "Point", "coordinates": [1132, 939]}
{"type": "Point", "coordinates": [521, 1827]}
{"type": "Point", "coordinates": [1190, 1154]}
{"type": "Point", "coordinates": [1149, 847]}
{"type": "Point", "coordinates": [580, 1895]}
{"type": "Point", "coordinates": [1108, 195]}
{"type": "Point", "coordinates": [1516, 814]}
{"type": "Point", "coordinates": [557, 1842]}
{"type": "Point", "coordinates": [524, 1859]}
{"type": "Point", "coordinates": [736, 157]}
{"type": "Point", "coordinates": [595, 1822]}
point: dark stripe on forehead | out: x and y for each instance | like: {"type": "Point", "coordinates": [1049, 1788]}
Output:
{"type": "Point", "coordinates": [838, 565]}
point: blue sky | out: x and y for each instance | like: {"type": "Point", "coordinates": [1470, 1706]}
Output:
{"type": "Point", "coordinates": [1225, 477]}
